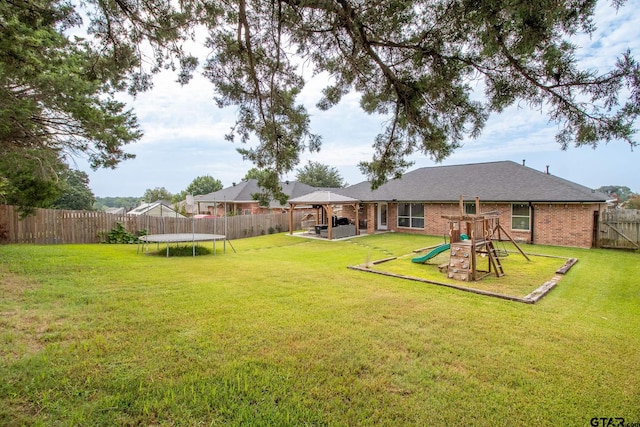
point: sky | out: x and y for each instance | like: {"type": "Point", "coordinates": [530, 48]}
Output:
{"type": "Point", "coordinates": [184, 131]}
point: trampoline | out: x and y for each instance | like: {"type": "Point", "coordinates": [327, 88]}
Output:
{"type": "Point", "coordinates": [183, 238]}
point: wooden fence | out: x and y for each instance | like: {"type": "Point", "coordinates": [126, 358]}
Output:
{"type": "Point", "coordinates": [50, 226]}
{"type": "Point", "coordinates": [619, 228]}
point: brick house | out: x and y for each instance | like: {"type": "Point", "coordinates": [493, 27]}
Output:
{"type": "Point", "coordinates": [535, 207]}
{"type": "Point", "coordinates": [238, 199]}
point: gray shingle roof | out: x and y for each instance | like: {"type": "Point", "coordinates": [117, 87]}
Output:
{"type": "Point", "coordinates": [322, 197]}
{"type": "Point", "coordinates": [243, 191]}
{"type": "Point", "coordinates": [504, 181]}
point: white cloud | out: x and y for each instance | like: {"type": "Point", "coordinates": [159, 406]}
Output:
{"type": "Point", "coordinates": [184, 130]}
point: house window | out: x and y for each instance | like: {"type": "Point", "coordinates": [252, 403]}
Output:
{"type": "Point", "coordinates": [411, 215]}
{"type": "Point", "coordinates": [470, 208]}
{"type": "Point", "coordinates": [520, 217]}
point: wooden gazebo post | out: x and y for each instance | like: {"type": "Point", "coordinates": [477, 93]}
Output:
{"type": "Point", "coordinates": [355, 208]}
{"type": "Point", "coordinates": [291, 206]}
{"type": "Point", "coordinates": [330, 222]}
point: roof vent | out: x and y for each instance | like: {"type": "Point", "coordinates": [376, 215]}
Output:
{"type": "Point", "coordinates": [547, 169]}
{"type": "Point", "coordinates": [523, 160]}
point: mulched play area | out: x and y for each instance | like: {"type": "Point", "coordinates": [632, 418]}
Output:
{"type": "Point", "coordinates": [525, 281]}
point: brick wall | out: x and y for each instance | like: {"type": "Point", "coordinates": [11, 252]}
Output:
{"type": "Point", "coordinates": [564, 224]}
{"type": "Point", "coordinates": [371, 214]}
{"type": "Point", "coordinates": [349, 212]}
{"type": "Point", "coordinates": [553, 224]}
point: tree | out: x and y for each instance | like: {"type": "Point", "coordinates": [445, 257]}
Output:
{"type": "Point", "coordinates": [30, 179]}
{"type": "Point", "coordinates": [633, 202]}
{"type": "Point", "coordinates": [415, 62]}
{"type": "Point", "coordinates": [75, 191]}
{"type": "Point", "coordinates": [255, 173]}
{"type": "Point", "coordinates": [201, 185]}
{"type": "Point", "coordinates": [33, 179]}
{"type": "Point", "coordinates": [116, 202]}
{"type": "Point", "coordinates": [269, 182]}
{"type": "Point", "coordinates": [621, 193]}
{"type": "Point", "coordinates": [57, 94]}
{"type": "Point", "coordinates": [158, 193]}
{"type": "Point", "coordinates": [204, 185]}
{"type": "Point", "coordinates": [318, 175]}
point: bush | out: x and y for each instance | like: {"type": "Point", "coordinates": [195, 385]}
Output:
{"type": "Point", "coordinates": [119, 234]}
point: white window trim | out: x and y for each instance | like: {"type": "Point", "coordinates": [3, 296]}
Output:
{"type": "Point", "coordinates": [528, 216]}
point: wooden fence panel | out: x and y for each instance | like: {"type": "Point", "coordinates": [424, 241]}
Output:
{"type": "Point", "coordinates": [619, 228]}
{"type": "Point", "coordinates": [52, 226]}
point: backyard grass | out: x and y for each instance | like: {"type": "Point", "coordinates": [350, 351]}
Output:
{"type": "Point", "coordinates": [282, 333]}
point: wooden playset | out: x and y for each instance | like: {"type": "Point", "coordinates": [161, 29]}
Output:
{"type": "Point", "coordinates": [472, 241]}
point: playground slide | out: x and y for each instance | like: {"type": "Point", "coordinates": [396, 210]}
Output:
{"type": "Point", "coordinates": [428, 256]}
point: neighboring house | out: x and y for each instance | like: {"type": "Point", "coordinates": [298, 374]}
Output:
{"type": "Point", "coordinates": [116, 211]}
{"type": "Point", "coordinates": [238, 199]}
{"type": "Point", "coordinates": [159, 209]}
{"type": "Point", "coordinates": [534, 206]}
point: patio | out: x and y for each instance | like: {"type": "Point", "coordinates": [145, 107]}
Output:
{"type": "Point", "coordinates": [326, 224]}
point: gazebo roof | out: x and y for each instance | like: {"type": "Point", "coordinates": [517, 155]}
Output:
{"type": "Point", "coordinates": [322, 197]}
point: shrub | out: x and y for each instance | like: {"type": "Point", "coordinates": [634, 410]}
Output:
{"type": "Point", "coordinates": [119, 234]}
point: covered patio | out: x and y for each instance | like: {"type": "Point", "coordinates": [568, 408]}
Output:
{"type": "Point", "coordinates": [326, 223]}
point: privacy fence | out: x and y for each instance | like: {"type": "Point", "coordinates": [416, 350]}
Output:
{"type": "Point", "coordinates": [619, 228]}
{"type": "Point", "coordinates": [49, 226]}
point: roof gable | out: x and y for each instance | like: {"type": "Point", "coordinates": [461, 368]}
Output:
{"type": "Point", "coordinates": [159, 208]}
{"type": "Point", "coordinates": [243, 192]}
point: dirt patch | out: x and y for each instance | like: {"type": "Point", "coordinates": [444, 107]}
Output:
{"type": "Point", "coordinates": [13, 287]}
{"type": "Point", "coordinates": [23, 332]}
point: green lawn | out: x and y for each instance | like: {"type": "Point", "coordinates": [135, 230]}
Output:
{"type": "Point", "coordinates": [282, 333]}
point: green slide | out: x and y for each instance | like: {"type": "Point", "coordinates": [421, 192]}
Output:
{"type": "Point", "coordinates": [436, 251]}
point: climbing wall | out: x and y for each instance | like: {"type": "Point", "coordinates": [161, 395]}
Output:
{"type": "Point", "coordinates": [460, 267]}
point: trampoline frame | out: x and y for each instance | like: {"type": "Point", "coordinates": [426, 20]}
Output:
{"type": "Point", "coordinates": [180, 238]}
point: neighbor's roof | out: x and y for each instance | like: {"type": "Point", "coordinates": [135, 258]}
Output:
{"type": "Point", "coordinates": [504, 181]}
{"type": "Point", "coordinates": [322, 197]}
{"type": "Point", "coordinates": [146, 207]}
{"type": "Point", "coordinates": [161, 207]}
{"type": "Point", "coordinates": [116, 211]}
{"type": "Point", "coordinates": [243, 192]}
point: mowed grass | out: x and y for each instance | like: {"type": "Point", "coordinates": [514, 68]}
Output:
{"type": "Point", "coordinates": [282, 333]}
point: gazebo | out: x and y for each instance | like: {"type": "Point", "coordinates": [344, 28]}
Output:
{"type": "Point", "coordinates": [324, 202]}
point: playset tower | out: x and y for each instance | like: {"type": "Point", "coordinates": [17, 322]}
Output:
{"type": "Point", "coordinates": [472, 237]}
